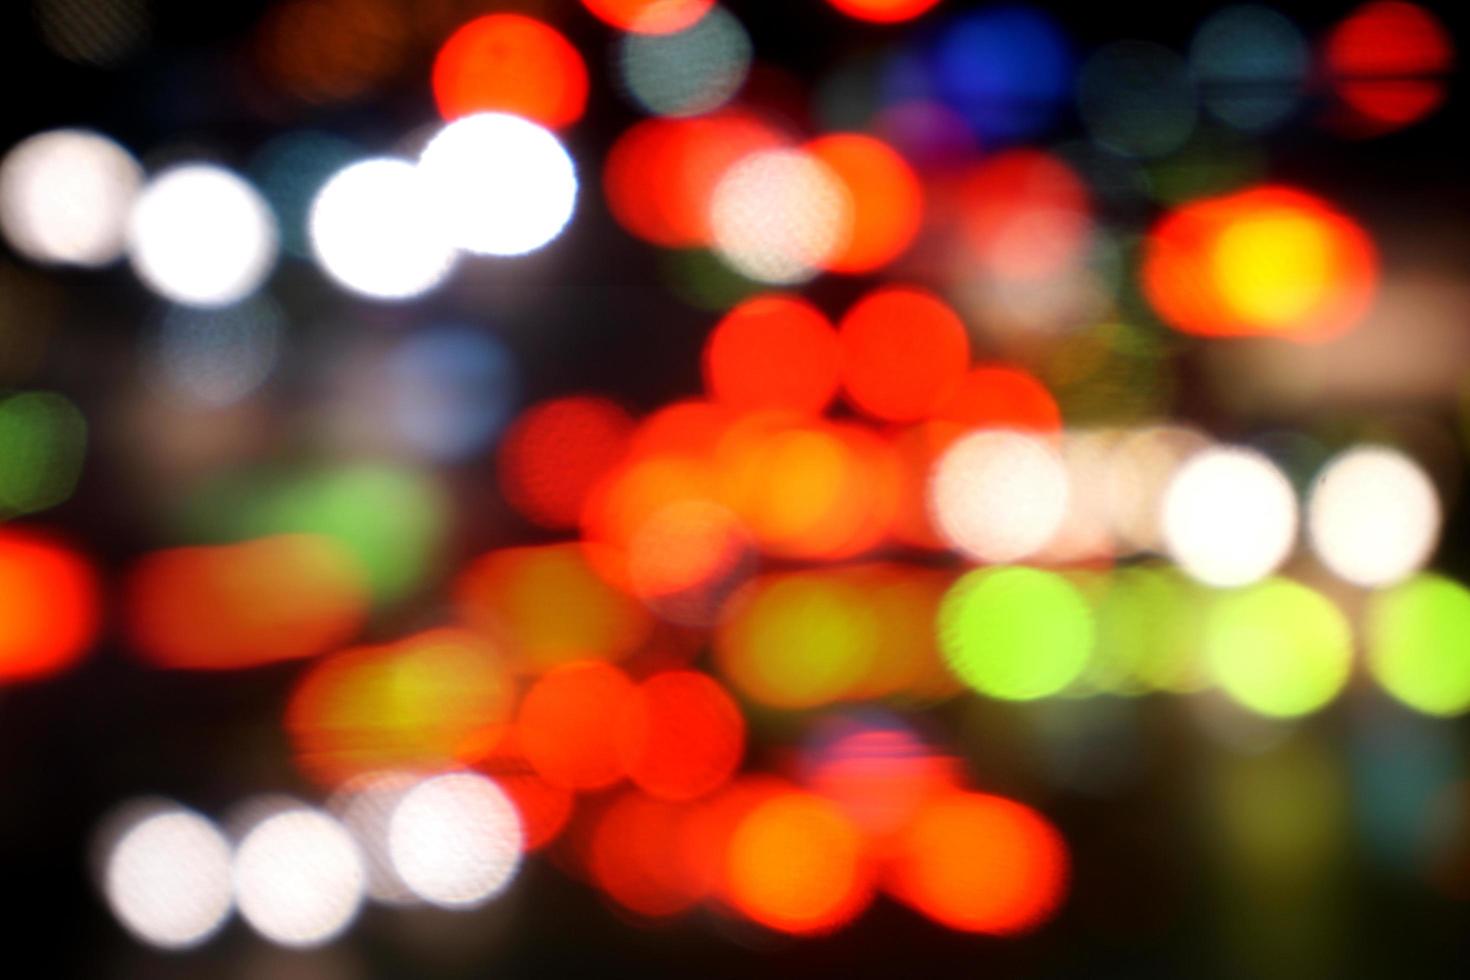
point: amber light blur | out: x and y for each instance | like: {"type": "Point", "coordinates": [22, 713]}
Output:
{"type": "Point", "coordinates": [511, 63]}
{"type": "Point", "coordinates": [48, 606]}
{"type": "Point", "coordinates": [241, 605]}
{"type": "Point", "coordinates": [565, 722]}
{"type": "Point", "coordinates": [887, 199]}
{"type": "Point", "coordinates": [1269, 261]}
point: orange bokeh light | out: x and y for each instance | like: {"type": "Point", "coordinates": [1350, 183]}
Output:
{"type": "Point", "coordinates": [980, 863]}
{"type": "Point", "coordinates": [630, 856]}
{"type": "Point", "coordinates": [887, 199]}
{"type": "Point", "coordinates": [556, 451]}
{"type": "Point", "coordinates": [996, 396]}
{"type": "Point", "coordinates": [565, 723]}
{"type": "Point", "coordinates": [883, 11]}
{"type": "Point", "coordinates": [1269, 261]}
{"type": "Point", "coordinates": [426, 702]}
{"type": "Point", "coordinates": [546, 605]}
{"type": "Point", "coordinates": [510, 63]}
{"type": "Point", "coordinates": [660, 175]}
{"type": "Point", "coordinates": [230, 606]}
{"type": "Point", "coordinates": [1388, 62]}
{"type": "Point", "coordinates": [48, 606]}
{"type": "Point", "coordinates": [796, 863]}
{"type": "Point", "coordinates": [773, 352]}
{"type": "Point", "coordinates": [1024, 214]}
{"type": "Point", "coordinates": [681, 736]}
{"type": "Point", "coordinates": [903, 352]}
{"type": "Point", "coordinates": [649, 16]}
{"type": "Point", "coordinates": [544, 808]}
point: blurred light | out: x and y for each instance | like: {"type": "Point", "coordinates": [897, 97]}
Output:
{"type": "Point", "coordinates": [373, 230]}
{"type": "Point", "coordinates": [780, 216]}
{"type": "Point", "coordinates": [1007, 70]}
{"type": "Point", "coordinates": [686, 559]}
{"type": "Point", "coordinates": [1278, 647]}
{"type": "Point", "coordinates": [887, 199]}
{"type": "Point", "coordinates": [43, 444]}
{"type": "Point", "coordinates": [998, 495]}
{"type": "Point", "coordinates": [166, 874]}
{"type": "Point", "coordinates": [365, 805]}
{"type": "Point", "coordinates": [796, 863]}
{"type": "Point", "coordinates": [1230, 517]}
{"type": "Point", "coordinates": [49, 606]}
{"type": "Point", "coordinates": [904, 599]}
{"type": "Point", "coordinates": [876, 770]}
{"type": "Point", "coordinates": [661, 174]}
{"type": "Point", "coordinates": [649, 16]}
{"type": "Point", "coordinates": [774, 351]}
{"type": "Point", "coordinates": [1267, 261]}
{"type": "Point", "coordinates": [325, 51]}
{"type": "Point", "coordinates": [498, 184]}
{"type": "Point", "coordinates": [566, 723]}
{"type": "Point", "coordinates": [1150, 621]}
{"type": "Point", "coordinates": [289, 170]}
{"type": "Point", "coordinates": [65, 196]}
{"type": "Point", "coordinates": [201, 235]}
{"type": "Point", "coordinates": [299, 878]}
{"type": "Point", "coordinates": [634, 856]}
{"type": "Point", "coordinates": [544, 809]}
{"type": "Point", "coordinates": [217, 357]}
{"type": "Point", "coordinates": [903, 352]}
{"type": "Point", "coordinates": [798, 640]}
{"type": "Point", "coordinates": [1143, 466]}
{"type": "Point", "coordinates": [690, 71]}
{"type": "Point", "coordinates": [883, 11]}
{"type": "Point", "coordinates": [680, 736]}
{"type": "Point", "coordinates": [1015, 633]}
{"type": "Point", "coordinates": [1373, 516]}
{"type": "Point", "coordinates": [455, 840]}
{"type": "Point", "coordinates": [545, 606]}
{"type": "Point", "coordinates": [1418, 640]}
{"type": "Point", "coordinates": [423, 703]}
{"type": "Point", "coordinates": [102, 33]}
{"type": "Point", "coordinates": [1250, 63]}
{"type": "Point", "coordinates": [1136, 98]}
{"type": "Point", "coordinates": [232, 606]}
{"type": "Point", "coordinates": [1025, 214]}
{"type": "Point", "coordinates": [556, 451]}
{"type": "Point", "coordinates": [981, 863]}
{"type": "Point", "coordinates": [451, 389]}
{"type": "Point", "coordinates": [997, 396]}
{"type": "Point", "coordinates": [1388, 62]}
{"type": "Point", "coordinates": [510, 63]}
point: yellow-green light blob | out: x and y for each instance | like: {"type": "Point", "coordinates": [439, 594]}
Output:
{"type": "Point", "coordinates": [1149, 624]}
{"type": "Point", "coordinates": [1015, 633]}
{"type": "Point", "coordinates": [1418, 637]}
{"type": "Point", "coordinates": [1278, 648]}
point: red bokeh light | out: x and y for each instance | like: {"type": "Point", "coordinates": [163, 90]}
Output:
{"type": "Point", "coordinates": [773, 352]}
{"type": "Point", "coordinates": [1388, 62]}
{"type": "Point", "coordinates": [681, 736]}
{"type": "Point", "coordinates": [887, 199]}
{"type": "Point", "coordinates": [633, 856]}
{"type": "Point", "coordinates": [510, 63]}
{"type": "Point", "coordinates": [555, 452]}
{"type": "Point", "coordinates": [649, 16]}
{"type": "Point", "coordinates": [1024, 213]}
{"type": "Point", "coordinates": [903, 352]}
{"type": "Point", "coordinates": [48, 606]}
{"type": "Point", "coordinates": [883, 11]}
{"type": "Point", "coordinates": [565, 723]}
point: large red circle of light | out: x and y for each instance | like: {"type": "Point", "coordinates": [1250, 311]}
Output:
{"type": "Point", "coordinates": [48, 606]}
{"type": "Point", "coordinates": [510, 63]}
{"type": "Point", "coordinates": [773, 352]}
{"type": "Point", "coordinates": [883, 11]}
{"type": "Point", "coordinates": [903, 352]}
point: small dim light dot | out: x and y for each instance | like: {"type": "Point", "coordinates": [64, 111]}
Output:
{"type": "Point", "coordinates": [1279, 648]}
{"type": "Point", "coordinates": [511, 63]}
{"type": "Point", "coordinates": [299, 878]}
{"type": "Point", "coordinates": [1015, 633]}
{"type": "Point", "coordinates": [1418, 639]}
{"type": "Point", "coordinates": [455, 840]}
{"type": "Point", "coordinates": [167, 877]}
{"type": "Point", "coordinates": [1230, 517]}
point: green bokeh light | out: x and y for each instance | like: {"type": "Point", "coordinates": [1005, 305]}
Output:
{"type": "Point", "coordinates": [1015, 633]}
{"type": "Point", "coordinates": [43, 440]}
{"type": "Point", "coordinates": [1418, 637]}
{"type": "Point", "coordinates": [1278, 648]}
{"type": "Point", "coordinates": [1149, 624]}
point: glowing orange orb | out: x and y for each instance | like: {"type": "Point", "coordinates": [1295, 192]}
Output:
{"type": "Point", "coordinates": [903, 352]}
{"type": "Point", "coordinates": [887, 199]}
{"type": "Point", "coordinates": [773, 352]}
{"type": "Point", "coordinates": [681, 735]}
{"type": "Point", "coordinates": [649, 16]}
{"type": "Point", "coordinates": [510, 63]}
{"type": "Point", "coordinates": [48, 606]}
{"type": "Point", "coordinates": [565, 723]}
{"type": "Point", "coordinates": [883, 11]}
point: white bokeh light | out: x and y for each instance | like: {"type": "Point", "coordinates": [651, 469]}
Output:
{"type": "Point", "coordinates": [500, 184]}
{"type": "Point", "coordinates": [998, 495]}
{"type": "Point", "coordinates": [202, 236]}
{"type": "Point", "coordinates": [166, 875]}
{"type": "Point", "coordinates": [365, 806]}
{"type": "Point", "coordinates": [65, 196]}
{"type": "Point", "coordinates": [777, 216]}
{"type": "Point", "coordinates": [687, 72]}
{"type": "Point", "coordinates": [1230, 517]}
{"type": "Point", "coordinates": [373, 231]}
{"type": "Point", "coordinates": [1373, 516]}
{"type": "Point", "coordinates": [456, 840]}
{"type": "Point", "coordinates": [299, 879]}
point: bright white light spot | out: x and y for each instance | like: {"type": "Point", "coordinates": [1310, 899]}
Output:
{"type": "Point", "coordinates": [456, 840]}
{"type": "Point", "coordinates": [998, 496]}
{"type": "Point", "coordinates": [777, 216]}
{"type": "Point", "coordinates": [202, 236]}
{"type": "Point", "coordinates": [501, 185]}
{"type": "Point", "coordinates": [1373, 517]}
{"type": "Point", "coordinates": [373, 230]}
{"type": "Point", "coordinates": [365, 807]}
{"type": "Point", "coordinates": [167, 877]}
{"type": "Point", "coordinates": [1230, 517]}
{"type": "Point", "coordinates": [65, 197]}
{"type": "Point", "coordinates": [688, 72]}
{"type": "Point", "coordinates": [299, 879]}
{"type": "Point", "coordinates": [217, 357]}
